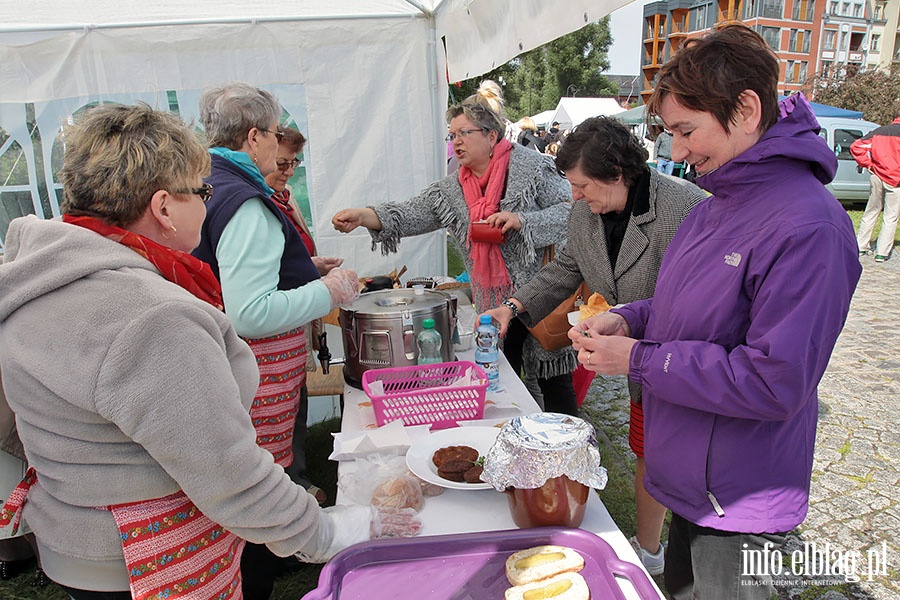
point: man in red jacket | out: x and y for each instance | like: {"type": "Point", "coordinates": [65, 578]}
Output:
{"type": "Point", "coordinates": [879, 152]}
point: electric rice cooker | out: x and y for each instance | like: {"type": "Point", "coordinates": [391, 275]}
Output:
{"type": "Point", "coordinates": [380, 329]}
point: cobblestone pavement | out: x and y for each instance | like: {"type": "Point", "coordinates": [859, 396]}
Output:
{"type": "Point", "coordinates": [854, 513]}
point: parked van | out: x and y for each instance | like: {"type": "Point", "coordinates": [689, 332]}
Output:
{"type": "Point", "coordinates": [850, 185]}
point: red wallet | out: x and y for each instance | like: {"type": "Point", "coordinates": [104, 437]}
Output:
{"type": "Point", "coordinates": [482, 231]}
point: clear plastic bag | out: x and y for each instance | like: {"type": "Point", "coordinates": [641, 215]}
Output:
{"type": "Point", "coordinates": [384, 481]}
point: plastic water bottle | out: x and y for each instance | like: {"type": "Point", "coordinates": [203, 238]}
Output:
{"type": "Point", "coordinates": [487, 355]}
{"type": "Point", "coordinates": [429, 342]}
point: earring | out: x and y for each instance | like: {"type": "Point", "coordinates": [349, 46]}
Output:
{"type": "Point", "coordinates": [174, 233]}
{"type": "Point", "coordinates": [254, 160]}
{"type": "Point", "coordinates": [491, 155]}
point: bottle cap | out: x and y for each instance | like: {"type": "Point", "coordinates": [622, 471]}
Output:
{"type": "Point", "coordinates": [485, 319]}
{"type": "Point", "coordinates": [428, 323]}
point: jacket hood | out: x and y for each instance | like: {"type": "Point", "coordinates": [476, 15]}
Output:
{"type": "Point", "coordinates": [42, 256]}
{"type": "Point", "coordinates": [792, 146]}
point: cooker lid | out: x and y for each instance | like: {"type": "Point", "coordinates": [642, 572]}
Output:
{"type": "Point", "coordinates": [392, 302]}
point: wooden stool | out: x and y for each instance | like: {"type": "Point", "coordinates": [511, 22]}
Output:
{"type": "Point", "coordinates": [318, 384]}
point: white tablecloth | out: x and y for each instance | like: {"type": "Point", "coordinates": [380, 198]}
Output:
{"type": "Point", "coordinates": [466, 511]}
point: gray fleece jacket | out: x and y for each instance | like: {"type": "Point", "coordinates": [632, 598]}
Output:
{"type": "Point", "coordinates": [126, 387]}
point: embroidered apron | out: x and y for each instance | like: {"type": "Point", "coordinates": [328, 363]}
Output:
{"type": "Point", "coordinates": [171, 549]}
{"type": "Point", "coordinates": [282, 372]}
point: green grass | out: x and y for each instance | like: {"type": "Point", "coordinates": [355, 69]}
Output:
{"type": "Point", "coordinates": [455, 264]}
{"type": "Point", "coordinates": [856, 214]}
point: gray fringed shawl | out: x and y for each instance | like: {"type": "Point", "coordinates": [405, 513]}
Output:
{"type": "Point", "coordinates": [535, 191]}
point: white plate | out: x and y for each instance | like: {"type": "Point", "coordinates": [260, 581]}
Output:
{"type": "Point", "coordinates": [418, 458]}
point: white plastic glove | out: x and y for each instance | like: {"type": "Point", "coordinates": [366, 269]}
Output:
{"type": "Point", "coordinates": [326, 263]}
{"type": "Point", "coordinates": [343, 285]}
{"type": "Point", "coordinates": [344, 525]}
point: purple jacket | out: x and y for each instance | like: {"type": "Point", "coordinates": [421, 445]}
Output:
{"type": "Point", "coordinates": [752, 295]}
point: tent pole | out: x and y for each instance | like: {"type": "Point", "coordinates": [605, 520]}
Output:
{"type": "Point", "coordinates": [438, 111]}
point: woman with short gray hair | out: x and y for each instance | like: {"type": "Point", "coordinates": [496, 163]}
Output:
{"type": "Point", "coordinates": [271, 286]}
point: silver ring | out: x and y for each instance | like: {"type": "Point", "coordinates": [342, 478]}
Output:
{"type": "Point", "coordinates": [590, 356]}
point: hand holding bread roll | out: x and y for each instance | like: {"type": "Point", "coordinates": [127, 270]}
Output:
{"type": "Point", "coordinates": [595, 305]}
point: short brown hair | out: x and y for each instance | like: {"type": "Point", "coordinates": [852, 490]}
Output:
{"type": "Point", "coordinates": [292, 139]}
{"type": "Point", "coordinates": [116, 157]}
{"type": "Point", "coordinates": [709, 74]}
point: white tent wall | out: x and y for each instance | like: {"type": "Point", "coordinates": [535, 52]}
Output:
{"type": "Point", "coordinates": [366, 78]}
{"type": "Point", "coordinates": [572, 111]}
{"type": "Point", "coordinates": [364, 89]}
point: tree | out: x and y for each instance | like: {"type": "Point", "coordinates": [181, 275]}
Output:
{"type": "Point", "coordinates": [536, 80]}
{"type": "Point", "coordinates": [875, 93]}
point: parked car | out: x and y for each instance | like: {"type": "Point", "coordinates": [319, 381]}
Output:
{"type": "Point", "coordinates": [851, 184]}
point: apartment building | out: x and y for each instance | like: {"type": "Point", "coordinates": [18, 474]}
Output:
{"type": "Point", "coordinates": [883, 47]}
{"type": "Point", "coordinates": [809, 36]}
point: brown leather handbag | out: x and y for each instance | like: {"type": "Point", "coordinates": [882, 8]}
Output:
{"type": "Point", "coordinates": [552, 332]}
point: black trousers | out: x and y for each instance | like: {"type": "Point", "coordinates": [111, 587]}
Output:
{"type": "Point", "coordinates": [87, 595]}
{"type": "Point", "coordinates": [707, 564]}
{"type": "Point", "coordinates": [559, 393]}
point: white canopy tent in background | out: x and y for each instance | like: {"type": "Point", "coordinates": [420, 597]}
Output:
{"type": "Point", "coordinates": [572, 111]}
{"type": "Point", "coordinates": [543, 118]}
{"type": "Point", "coordinates": [366, 80]}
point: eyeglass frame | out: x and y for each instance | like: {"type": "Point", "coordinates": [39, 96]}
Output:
{"type": "Point", "coordinates": [279, 135]}
{"type": "Point", "coordinates": [291, 164]}
{"type": "Point", "coordinates": [205, 192]}
{"type": "Point", "coordinates": [464, 133]}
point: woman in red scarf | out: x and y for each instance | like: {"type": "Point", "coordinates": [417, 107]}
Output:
{"type": "Point", "coordinates": [131, 387]}
{"type": "Point", "coordinates": [516, 191]}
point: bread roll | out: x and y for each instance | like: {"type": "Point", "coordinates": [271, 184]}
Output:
{"type": "Point", "coordinates": [541, 562]}
{"type": "Point", "coordinates": [399, 492]}
{"type": "Point", "coordinates": [565, 586]}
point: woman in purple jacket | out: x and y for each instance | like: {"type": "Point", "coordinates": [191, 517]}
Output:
{"type": "Point", "coordinates": [752, 294]}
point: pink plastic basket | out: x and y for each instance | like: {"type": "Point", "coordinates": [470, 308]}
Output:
{"type": "Point", "coordinates": [420, 395]}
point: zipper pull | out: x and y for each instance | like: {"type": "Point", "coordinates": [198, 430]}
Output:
{"type": "Point", "coordinates": [715, 503]}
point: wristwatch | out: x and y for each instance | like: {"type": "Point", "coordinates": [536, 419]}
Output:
{"type": "Point", "coordinates": [511, 306]}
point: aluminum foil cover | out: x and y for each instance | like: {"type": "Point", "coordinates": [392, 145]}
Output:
{"type": "Point", "coordinates": [534, 448]}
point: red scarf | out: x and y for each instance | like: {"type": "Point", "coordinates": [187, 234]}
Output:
{"type": "Point", "coordinates": [180, 268]}
{"type": "Point", "coordinates": [282, 200]}
{"type": "Point", "coordinates": [482, 196]}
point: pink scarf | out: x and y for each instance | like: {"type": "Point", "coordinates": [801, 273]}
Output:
{"type": "Point", "coordinates": [482, 194]}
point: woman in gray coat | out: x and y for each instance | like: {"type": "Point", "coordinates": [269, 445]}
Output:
{"type": "Point", "coordinates": [618, 234]}
{"type": "Point", "coordinates": [519, 194]}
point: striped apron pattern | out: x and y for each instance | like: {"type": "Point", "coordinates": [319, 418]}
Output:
{"type": "Point", "coordinates": [282, 372]}
{"type": "Point", "coordinates": [171, 549]}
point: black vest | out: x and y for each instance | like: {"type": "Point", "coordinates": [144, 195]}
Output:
{"type": "Point", "coordinates": [231, 188]}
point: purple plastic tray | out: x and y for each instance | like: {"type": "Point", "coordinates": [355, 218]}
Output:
{"type": "Point", "coordinates": [465, 566]}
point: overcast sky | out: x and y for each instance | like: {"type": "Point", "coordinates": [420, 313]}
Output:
{"type": "Point", "coordinates": [625, 52]}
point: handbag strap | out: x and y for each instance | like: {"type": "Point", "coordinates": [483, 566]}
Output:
{"type": "Point", "coordinates": [549, 255]}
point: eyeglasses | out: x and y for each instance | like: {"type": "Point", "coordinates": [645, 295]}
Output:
{"type": "Point", "coordinates": [288, 164]}
{"type": "Point", "coordinates": [279, 135]}
{"type": "Point", "coordinates": [205, 192]}
{"type": "Point", "coordinates": [462, 133]}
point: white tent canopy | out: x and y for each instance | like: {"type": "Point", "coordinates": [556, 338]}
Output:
{"type": "Point", "coordinates": [572, 111]}
{"type": "Point", "coordinates": [543, 118]}
{"type": "Point", "coordinates": [365, 80]}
